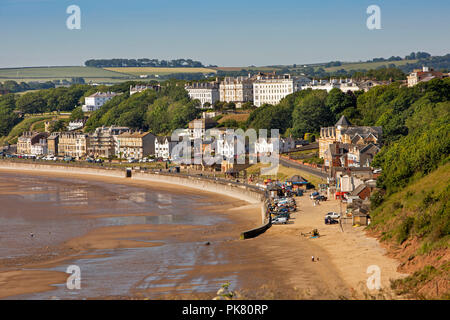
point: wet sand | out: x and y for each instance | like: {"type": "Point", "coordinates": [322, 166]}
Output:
{"type": "Point", "coordinates": [151, 246]}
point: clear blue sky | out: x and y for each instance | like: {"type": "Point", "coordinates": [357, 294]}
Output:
{"type": "Point", "coordinates": [226, 32]}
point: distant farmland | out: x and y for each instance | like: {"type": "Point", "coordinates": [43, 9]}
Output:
{"type": "Point", "coordinates": [55, 73]}
{"type": "Point", "coordinates": [137, 71]}
{"type": "Point", "coordinates": [367, 65]}
{"type": "Point", "coordinates": [262, 69]}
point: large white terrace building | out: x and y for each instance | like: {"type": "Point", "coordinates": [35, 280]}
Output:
{"type": "Point", "coordinates": [206, 92]}
{"type": "Point", "coordinates": [271, 89]}
{"type": "Point", "coordinates": [238, 90]}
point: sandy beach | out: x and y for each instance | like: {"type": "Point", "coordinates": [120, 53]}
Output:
{"type": "Point", "coordinates": [349, 248]}
{"type": "Point", "coordinates": [275, 265]}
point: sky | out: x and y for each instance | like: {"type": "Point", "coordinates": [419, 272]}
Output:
{"type": "Point", "coordinates": [225, 33]}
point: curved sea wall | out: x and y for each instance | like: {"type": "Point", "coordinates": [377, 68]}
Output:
{"type": "Point", "coordinates": [240, 191]}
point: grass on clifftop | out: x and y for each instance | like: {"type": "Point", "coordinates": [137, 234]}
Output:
{"type": "Point", "coordinates": [419, 210]}
{"type": "Point", "coordinates": [21, 127]}
{"type": "Point", "coordinates": [419, 216]}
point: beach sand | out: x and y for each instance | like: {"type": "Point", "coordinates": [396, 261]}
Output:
{"type": "Point", "coordinates": [349, 248]}
{"type": "Point", "coordinates": [275, 265]}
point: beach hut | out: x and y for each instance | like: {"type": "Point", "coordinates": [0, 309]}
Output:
{"type": "Point", "coordinates": [274, 190]}
{"type": "Point", "coordinates": [360, 217]}
{"type": "Point", "coordinates": [298, 182]}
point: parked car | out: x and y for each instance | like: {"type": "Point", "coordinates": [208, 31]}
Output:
{"type": "Point", "coordinates": [321, 198]}
{"type": "Point", "coordinates": [279, 220]}
{"type": "Point", "coordinates": [332, 215]}
{"type": "Point", "coordinates": [313, 195]}
{"type": "Point", "coordinates": [132, 160]}
{"type": "Point", "coordinates": [284, 215]}
{"type": "Point", "coordinates": [99, 161]}
{"type": "Point", "coordinates": [328, 220]}
{"type": "Point", "coordinates": [68, 158]}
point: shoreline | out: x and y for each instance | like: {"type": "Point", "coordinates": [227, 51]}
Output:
{"type": "Point", "coordinates": [282, 248]}
{"type": "Point", "coordinates": [106, 238]}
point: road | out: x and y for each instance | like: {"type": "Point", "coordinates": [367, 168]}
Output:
{"type": "Point", "coordinates": [291, 164]}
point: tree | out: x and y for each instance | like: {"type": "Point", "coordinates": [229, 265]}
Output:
{"type": "Point", "coordinates": [8, 119]}
{"type": "Point", "coordinates": [59, 125]}
{"type": "Point", "coordinates": [337, 101]}
{"type": "Point", "coordinates": [270, 117]}
{"type": "Point", "coordinates": [31, 102]}
{"type": "Point", "coordinates": [77, 114]}
{"type": "Point", "coordinates": [311, 114]}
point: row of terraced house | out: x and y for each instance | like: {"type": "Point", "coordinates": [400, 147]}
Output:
{"type": "Point", "coordinates": [104, 142]}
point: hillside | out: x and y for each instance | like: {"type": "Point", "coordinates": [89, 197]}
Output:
{"type": "Point", "coordinates": [415, 225]}
{"type": "Point", "coordinates": [137, 71]}
{"type": "Point", "coordinates": [43, 74]}
{"type": "Point", "coordinates": [367, 65]}
{"type": "Point", "coordinates": [26, 125]}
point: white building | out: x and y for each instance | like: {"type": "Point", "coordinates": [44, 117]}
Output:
{"type": "Point", "coordinates": [271, 89]}
{"type": "Point", "coordinates": [226, 147]}
{"type": "Point", "coordinates": [75, 125]}
{"type": "Point", "coordinates": [263, 145]}
{"type": "Point", "coordinates": [237, 90]}
{"type": "Point", "coordinates": [342, 84]}
{"type": "Point", "coordinates": [39, 148]}
{"type": "Point", "coordinates": [96, 100]}
{"type": "Point", "coordinates": [164, 147]}
{"type": "Point", "coordinates": [206, 92]}
{"type": "Point", "coordinates": [140, 88]}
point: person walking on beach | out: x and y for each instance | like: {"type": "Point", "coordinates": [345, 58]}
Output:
{"type": "Point", "coordinates": [312, 258]}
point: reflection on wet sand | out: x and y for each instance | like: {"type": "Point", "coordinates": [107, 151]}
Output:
{"type": "Point", "coordinates": [149, 250]}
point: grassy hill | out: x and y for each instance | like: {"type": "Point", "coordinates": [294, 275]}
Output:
{"type": "Point", "coordinates": [415, 223]}
{"type": "Point", "coordinates": [239, 117]}
{"type": "Point", "coordinates": [367, 65]}
{"type": "Point", "coordinates": [25, 125]}
{"type": "Point", "coordinates": [58, 73]}
{"type": "Point", "coordinates": [137, 71]}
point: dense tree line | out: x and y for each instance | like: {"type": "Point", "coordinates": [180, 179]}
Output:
{"type": "Point", "coordinates": [8, 119]}
{"type": "Point", "coordinates": [48, 100]}
{"type": "Point", "coordinates": [144, 62]}
{"type": "Point", "coordinates": [416, 125]}
{"type": "Point", "coordinates": [11, 86]}
{"type": "Point", "coordinates": [159, 112]}
{"type": "Point", "coordinates": [441, 63]}
{"type": "Point", "coordinates": [303, 112]}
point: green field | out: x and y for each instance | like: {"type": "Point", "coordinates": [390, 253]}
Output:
{"type": "Point", "coordinates": [137, 71]}
{"type": "Point", "coordinates": [262, 69]}
{"type": "Point", "coordinates": [368, 65]}
{"type": "Point", "coordinates": [54, 73]}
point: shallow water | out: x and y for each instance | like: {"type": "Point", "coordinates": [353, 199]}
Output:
{"type": "Point", "coordinates": [36, 212]}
